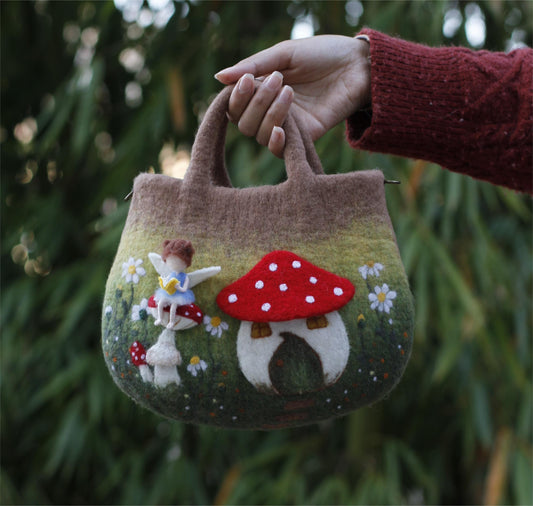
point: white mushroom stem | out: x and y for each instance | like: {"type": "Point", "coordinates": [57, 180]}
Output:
{"type": "Point", "coordinates": [146, 373]}
{"type": "Point", "coordinates": [165, 358]}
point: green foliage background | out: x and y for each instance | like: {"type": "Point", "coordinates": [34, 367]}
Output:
{"type": "Point", "coordinates": [458, 427]}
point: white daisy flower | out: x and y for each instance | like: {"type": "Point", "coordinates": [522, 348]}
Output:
{"type": "Point", "coordinates": [382, 298]}
{"type": "Point", "coordinates": [371, 269]}
{"type": "Point", "coordinates": [214, 325]}
{"type": "Point", "coordinates": [132, 269]}
{"type": "Point", "coordinates": [195, 365]}
{"type": "Point", "coordinates": [140, 311]}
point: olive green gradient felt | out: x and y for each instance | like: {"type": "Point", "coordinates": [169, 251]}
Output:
{"type": "Point", "coordinates": [338, 223]}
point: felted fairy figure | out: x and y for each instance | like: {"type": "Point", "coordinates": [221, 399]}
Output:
{"type": "Point", "coordinates": [174, 283]}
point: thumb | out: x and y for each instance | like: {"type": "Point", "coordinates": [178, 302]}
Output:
{"type": "Point", "coordinates": [265, 62]}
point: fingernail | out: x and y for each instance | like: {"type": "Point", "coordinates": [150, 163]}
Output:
{"type": "Point", "coordinates": [276, 134]}
{"type": "Point", "coordinates": [218, 74]}
{"type": "Point", "coordinates": [246, 83]}
{"type": "Point", "coordinates": [277, 141]}
{"type": "Point", "coordinates": [273, 81]}
{"type": "Point", "coordinates": [286, 95]}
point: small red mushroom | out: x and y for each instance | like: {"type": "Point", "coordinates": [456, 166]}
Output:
{"type": "Point", "coordinates": [138, 358]}
{"type": "Point", "coordinates": [288, 309]}
{"type": "Point", "coordinates": [190, 315]}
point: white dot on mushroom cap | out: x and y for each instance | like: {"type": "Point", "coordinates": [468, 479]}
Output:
{"type": "Point", "coordinates": [337, 291]}
{"type": "Point", "coordinates": [266, 307]}
{"type": "Point", "coordinates": [283, 287]}
{"type": "Point", "coordinates": [313, 280]}
{"type": "Point", "coordinates": [259, 285]}
{"type": "Point", "coordinates": [296, 264]}
{"type": "Point", "coordinates": [310, 299]}
{"type": "Point", "coordinates": [232, 298]}
{"type": "Point", "coordinates": [273, 267]}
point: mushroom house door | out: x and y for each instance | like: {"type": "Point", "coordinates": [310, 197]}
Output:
{"type": "Point", "coordinates": [295, 367]}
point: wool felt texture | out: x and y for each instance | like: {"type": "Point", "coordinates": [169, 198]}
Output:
{"type": "Point", "coordinates": [469, 111]}
{"type": "Point", "coordinates": [283, 286]}
{"type": "Point", "coordinates": [244, 374]}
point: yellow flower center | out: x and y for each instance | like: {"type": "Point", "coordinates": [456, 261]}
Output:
{"type": "Point", "coordinates": [195, 360]}
{"type": "Point", "coordinates": [215, 321]}
{"type": "Point", "coordinates": [370, 264]}
{"type": "Point", "coordinates": [382, 296]}
{"type": "Point", "coordinates": [131, 269]}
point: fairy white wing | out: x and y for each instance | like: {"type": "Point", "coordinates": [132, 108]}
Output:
{"type": "Point", "coordinates": [202, 274]}
{"type": "Point", "coordinates": [161, 267]}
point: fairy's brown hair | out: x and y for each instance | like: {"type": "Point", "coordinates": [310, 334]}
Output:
{"type": "Point", "coordinates": [180, 248]}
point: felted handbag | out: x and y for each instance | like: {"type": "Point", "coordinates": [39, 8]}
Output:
{"type": "Point", "coordinates": [257, 308]}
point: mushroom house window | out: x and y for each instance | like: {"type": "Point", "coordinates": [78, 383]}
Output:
{"type": "Point", "coordinates": [317, 322]}
{"type": "Point", "coordinates": [261, 329]}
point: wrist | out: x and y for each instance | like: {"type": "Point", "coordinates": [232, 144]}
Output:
{"type": "Point", "coordinates": [364, 65]}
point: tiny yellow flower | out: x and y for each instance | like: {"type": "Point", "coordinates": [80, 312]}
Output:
{"type": "Point", "coordinates": [214, 325]}
{"type": "Point", "coordinates": [132, 270]}
{"type": "Point", "coordinates": [196, 364]}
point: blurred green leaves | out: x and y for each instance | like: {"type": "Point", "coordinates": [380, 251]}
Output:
{"type": "Point", "coordinates": [457, 429]}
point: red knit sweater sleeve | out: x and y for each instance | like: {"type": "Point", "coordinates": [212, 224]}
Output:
{"type": "Point", "coordinates": [469, 111]}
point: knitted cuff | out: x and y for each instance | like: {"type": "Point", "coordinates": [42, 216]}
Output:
{"type": "Point", "coordinates": [467, 111]}
{"type": "Point", "coordinates": [405, 80]}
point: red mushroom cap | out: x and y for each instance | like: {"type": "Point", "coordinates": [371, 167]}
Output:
{"type": "Point", "coordinates": [283, 286]}
{"type": "Point", "coordinates": [138, 354]}
{"type": "Point", "coordinates": [191, 311]}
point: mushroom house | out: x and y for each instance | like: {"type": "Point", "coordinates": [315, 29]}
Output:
{"type": "Point", "coordinates": [292, 338]}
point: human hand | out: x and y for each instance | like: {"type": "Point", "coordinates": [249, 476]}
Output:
{"type": "Point", "coordinates": [327, 78]}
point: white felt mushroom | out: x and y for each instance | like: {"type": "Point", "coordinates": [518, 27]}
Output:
{"type": "Point", "coordinates": [138, 358]}
{"type": "Point", "coordinates": [289, 313]}
{"type": "Point", "coordinates": [165, 358]}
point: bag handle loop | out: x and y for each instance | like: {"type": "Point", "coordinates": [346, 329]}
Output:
{"type": "Point", "coordinates": [207, 164]}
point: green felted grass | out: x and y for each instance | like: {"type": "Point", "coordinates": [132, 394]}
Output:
{"type": "Point", "coordinates": [380, 342]}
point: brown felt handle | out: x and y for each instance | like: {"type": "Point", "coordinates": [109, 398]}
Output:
{"type": "Point", "coordinates": [207, 164]}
